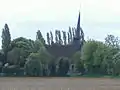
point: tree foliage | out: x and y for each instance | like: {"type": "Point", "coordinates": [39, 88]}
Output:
{"type": "Point", "coordinates": [51, 37]}
{"type": "Point", "coordinates": [70, 34]}
{"type": "Point", "coordinates": [63, 66]}
{"type": "Point", "coordinates": [98, 57]}
{"type": "Point", "coordinates": [64, 38]}
{"type": "Point", "coordinates": [32, 56]}
{"type": "Point", "coordinates": [22, 47]}
{"type": "Point", "coordinates": [14, 56]}
{"type": "Point", "coordinates": [60, 39]}
{"type": "Point", "coordinates": [48, 38]}
{"type": "Point", "coordinates": [76, 59]}
{"type": "Point", "coordinates": [116, 64]}
{"type": "Point", "coordinates": [40, 37]}
{"type": "Point", "coordinates": [87, 53]}
{"type": "Point", "coordinates": [56, 37]}
{"type": "Point", "coordinates": [6, 40]}
{"type": "Point", "coordinates": [113, 41]}
{"type": "Point", "coordinates": [33, 65]}
{"type": "Point", "coordinates": [73, 32]}
{"type": "Point", "coordinates": [68, 37]}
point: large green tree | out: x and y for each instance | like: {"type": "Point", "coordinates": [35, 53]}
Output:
{"type": "Point", "coordinates": [6, 40]}
{"type": "Point", "coordinates": [22, 42]}
{"type": "Point", "coordinates": [87, 54]}
{"type": "Point", "coordinates": [98, 57]}
{"type": "Point", "coordinates": [42, 57]}
{"type": "Point", "coordinates": [33, 66]}
{"type": "Point", "coordinates": [22, 47]}
{"type": "Point", "coordinates": [113, 48]}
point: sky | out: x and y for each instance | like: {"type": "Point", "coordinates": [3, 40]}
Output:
{"type": "Point", "coordinates": [24, 17]}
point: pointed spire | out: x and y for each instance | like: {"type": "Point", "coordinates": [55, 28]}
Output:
{"type": "Point", "coordinates": [78, 27]}
{"type": "Point", "coordinates": [78, 23]}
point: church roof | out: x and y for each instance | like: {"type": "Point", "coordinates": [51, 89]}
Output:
{"type": "Point", "coordinates": [61, 50]}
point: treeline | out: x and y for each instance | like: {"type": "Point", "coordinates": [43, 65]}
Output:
{"type": "Point", "coordinates": [28, 57]}
{"type": "Point", "coordinates": [61, 37]}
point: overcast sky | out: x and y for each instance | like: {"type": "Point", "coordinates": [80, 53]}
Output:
{"type": "Point", "coordinates": [25, 17]}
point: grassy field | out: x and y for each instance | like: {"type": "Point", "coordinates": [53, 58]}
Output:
{"type": "Point", "coordinates": [70, 83]}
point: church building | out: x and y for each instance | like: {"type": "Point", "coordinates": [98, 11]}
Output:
{"type": "Point", "coordinates": [70, 49]}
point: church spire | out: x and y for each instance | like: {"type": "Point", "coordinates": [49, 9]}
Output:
{"type": "Point", "coordinates": [78, 23]}
{"type": "Point", "coordinates": [78, 27]}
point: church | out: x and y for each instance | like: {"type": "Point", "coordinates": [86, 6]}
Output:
{"type": "Point", "coordinates": [70, 49]}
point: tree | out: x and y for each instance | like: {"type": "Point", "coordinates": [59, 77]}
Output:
{"type": "Point", "coordinates": [6, 40]}
{"type": "Point", "coordinates": [68, 38]}
{"type": "Point", "coordinates": [22, 42]}
{"type": "Point", "coordinates": [2, 57]}
{"type": "Point", "coordinates": [113, 48]}
{"type": "Point", "coordinates": [46, 58]}
{"type": "Point", "coordinates": [48, 39]}
{"type": "Point", "coordinates": [14, 56]}
{"type": "Point", "coordinates": [70, 34]}
{"type": "Point", "coordinates": [59, 37]}
{"type": "Point", "coordinates": [73, 32]}
{"type": "Point", "coordinates": [99, 53]}
{"type": "Point", "coordinates": [64, 38]}
{"type": "Point", "coordinates": [113, 41]}
{"type": "Point", "coordinates": [99, 58]}
{"type": "Point", "coordinates": [87, 52]}
{"type": "Point", "coordinates": [42, 57]}
{"type": "Point", "coordinates": [33, 66]}
{"type": "Point", "coordinates": [76, 59]}
{"type": "Point", "coordinates": [38, 45]}
{"type": "Point", "coordinates": [52, 68]}
{"type": "Point", "coordinates": [51, 37]}
{"type": "Point", "coordinates": [56, 37]}
{"type": "Point", "coordinates": [17, 56]}
{"type": "Point", "coordinates": [116, 64]}
{"type": "Point", "coordinates": [63, 66]}
{"type": "Point", "coordinates": [24, 46]}
{"type": "Point", "coordinates": [40, 37]}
